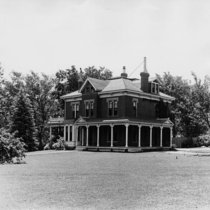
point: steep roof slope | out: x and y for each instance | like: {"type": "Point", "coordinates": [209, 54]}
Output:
{"type": "Point", "coordinates": [98, 84]}
{"type": "Point", "coordinates": [121, 84]}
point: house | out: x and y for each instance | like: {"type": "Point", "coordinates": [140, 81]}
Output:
{"type": "Point", "coordinates": [120, 112]}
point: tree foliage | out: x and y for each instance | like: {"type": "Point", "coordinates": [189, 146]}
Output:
{"type": "Point", "coordinates": [22, 121]}
{"type": "Point", "coordinates": [10, 147]}
{"type": "Point", "coordinates": [184, 114]}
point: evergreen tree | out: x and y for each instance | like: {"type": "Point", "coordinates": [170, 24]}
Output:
{"type": "Point", "coordinates": [22, 120]}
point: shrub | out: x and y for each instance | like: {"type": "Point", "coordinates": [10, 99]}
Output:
{"type": "Point", "coordinates": [203, 140]}
{"type": "Point", "coordinates": [60, 144]}
{"type": "Point", "coordinates": [51, 142]}
{"type": "Point", "coordinates": [10, 147]}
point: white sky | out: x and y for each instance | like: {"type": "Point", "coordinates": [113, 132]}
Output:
{"type": "Point", "coordinates": [48, 35]}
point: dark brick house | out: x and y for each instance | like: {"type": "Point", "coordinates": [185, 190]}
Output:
{"type": "Point", "coordinates": [119, 112]}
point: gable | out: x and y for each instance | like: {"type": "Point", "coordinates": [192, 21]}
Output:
{"type": "Point", "coordinates": [81, 120]}
{"type": "Point", "coordinates": [88, 88]}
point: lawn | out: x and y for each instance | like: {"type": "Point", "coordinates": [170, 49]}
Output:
{"type": "Point", "coordinates": [102, 180]}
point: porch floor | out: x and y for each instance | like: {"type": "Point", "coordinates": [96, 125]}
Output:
{"type": "Point", "coordinates": [118, 149]}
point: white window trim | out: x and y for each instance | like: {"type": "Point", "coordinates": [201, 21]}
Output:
{"type": "Point", "coordinates": [137, 101]}
{"type": "Point", "coordinates": [89, 102]}
{"type": "Point", "coordinates": [112, 100]}
{"type": "Point", "coordinates": [156, 88]}
{"type": "Point", "coordinates": [75, 108]}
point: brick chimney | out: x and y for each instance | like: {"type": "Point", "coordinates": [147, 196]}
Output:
{"type": "Point", "coordinates": [80, 81]}
{"type": "Point", "coordinates": [124, 74]}
{"type": "Point", "coordinates": [145, 78]}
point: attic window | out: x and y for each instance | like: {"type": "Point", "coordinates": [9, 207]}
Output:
{"type": "Point", "coordinates": [87, 90]}
{"type": "Point", "coordinates": [154, 88]}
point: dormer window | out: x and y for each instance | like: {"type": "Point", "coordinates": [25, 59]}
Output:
{"type": "Point", "coordinates": [154, 88]}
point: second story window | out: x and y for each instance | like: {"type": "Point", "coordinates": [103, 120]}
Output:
{"type": "Point", "coordinates": [115, 108]}
{"type": "Point", "coordinates": [89, 108]}
{"type": "Point", "coordinates": [75, 110]}
{"type": "Point", "coordinates": [112, 107]}
{"type": "Point", "coordinates": [135, 101]}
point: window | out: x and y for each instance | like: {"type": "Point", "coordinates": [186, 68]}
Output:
{"type": "Point", "coordinates": [115, 108]}
{"type": "Point", "coordinates": [87, 90]}
{"type": "Point", "coordinates": [112, 106]}
{"type": "Point", "coordinates": [89, 108]}
{"type": "Point", "coordinates": [154, 88]}
{"type": "Point", "coordinates": [92, 89]}
{"type": "Point", "coordinates": [135, 101]}
{"type": "Point", "coordinates": [75, 110]}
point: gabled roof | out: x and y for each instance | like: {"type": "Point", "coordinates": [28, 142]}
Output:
{"type": "Point", "coordinates": [97, 84]}
{"type": "Point", "coordinates": [154, 79]}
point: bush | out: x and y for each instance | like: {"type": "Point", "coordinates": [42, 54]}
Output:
{"type": "Point", "coordinates": [10, 147]}
{"type": "Point", "coordinates": [60, 144]}
{"type": "Point", "coordinates": [203, 140]}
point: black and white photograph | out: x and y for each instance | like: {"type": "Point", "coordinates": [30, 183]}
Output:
{"type": "Point", "coordinates": [104, 104]}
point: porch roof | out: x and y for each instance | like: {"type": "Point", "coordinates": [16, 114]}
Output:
{"type": "Point", "coordinates": [162, 121]}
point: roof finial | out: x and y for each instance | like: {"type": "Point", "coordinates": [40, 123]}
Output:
{"type": "Point", "coordinates": [124, 74]}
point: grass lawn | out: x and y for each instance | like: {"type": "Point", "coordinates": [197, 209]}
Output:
{"type": "Point", "coordinates": [102, 180]}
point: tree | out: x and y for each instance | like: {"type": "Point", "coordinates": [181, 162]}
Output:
{"type": "Point", "coordinates": [22, 120]}
{"type": "Point", "coordinates": [39, 90]}
{"type": "Point", "coordinates": [201, 98]}
{"type": "Point", "coordinates": [183, 113]}
{"type": "Point", "coordinates": [8, 90]}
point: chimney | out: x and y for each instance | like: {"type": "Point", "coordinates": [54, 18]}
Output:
{"type": "Point", "coordinates": [124, 74]}
{"type": "Point", "coordinates": [80, 81]}
{"type": "Point", "coordinates": [145, 78]}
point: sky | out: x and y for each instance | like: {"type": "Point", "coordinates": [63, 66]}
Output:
{"type": "Point", "coordinates": [46, 36]}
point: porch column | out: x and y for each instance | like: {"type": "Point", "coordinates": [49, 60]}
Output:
{"type": "Point", "coordinates": [150, 145]}
{"type": "Point", "coordinates": [87, 126]}
{"type": "Point", "coordinates": [98, 132]}
{"type": "Point", "coordinates": [76, 135]}
{"type": "Point", "coordinates": [171, 136]}
{"type": "Point", "coordinates": [139, 144]}
{"type": "Point", "coordinates": [161, 136]}
{"type": "Point", "coordinates": [73, 137]}
{"type": "Point", "coordinates": [68, 132]}
{"type": "Point", "coordinates": [64, 130]}
{"type": "Point", "coordinates": [126, 134]}
{"type": "Point", "coordinates": [112, 126]}
{"type": "Point", "coordinates": [82, 135]}
{"type": "Point", "coordinates": [50, 132]}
